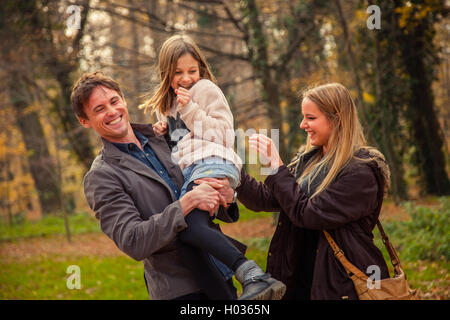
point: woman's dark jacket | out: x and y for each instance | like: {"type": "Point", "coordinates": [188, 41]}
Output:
{"type": "Point", "coordinates": [348, 209]}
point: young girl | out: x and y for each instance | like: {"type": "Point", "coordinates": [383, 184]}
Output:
{"type": "Point", "coordinates": [194, 116]}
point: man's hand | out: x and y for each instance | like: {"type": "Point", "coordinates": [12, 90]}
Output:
{"type": "Point", "coordinates": [222, 185]}
{"type": "Point", "coordinates": [204, 197]}
{"type": "Point", "coordinates": [183, 96]}
{"type": "Point", "coordinates": [160, 128]}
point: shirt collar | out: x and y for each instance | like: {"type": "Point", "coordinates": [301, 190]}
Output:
{"type": "Point", "coordinates": [125, 147]}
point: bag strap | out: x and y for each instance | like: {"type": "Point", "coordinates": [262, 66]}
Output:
{"type": "Point", "coordinates": [390, 249]}
{"type": "Point", "coordinates": [339, 254]}
{"type": "Point", "coordinates": [350, 268]}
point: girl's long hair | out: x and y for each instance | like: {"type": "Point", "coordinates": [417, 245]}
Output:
{"type": "Point", "coordinates": [171, 50]}
{"type": "Point", "coordinates": [346, 137]}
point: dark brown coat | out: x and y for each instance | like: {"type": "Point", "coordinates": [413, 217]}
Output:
{"type": "Point", "coordinates": [348, 209]}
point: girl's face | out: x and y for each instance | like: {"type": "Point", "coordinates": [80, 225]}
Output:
{"type": "Point", "coordinates": [316, 124]}
{"type": "Point", "coordinates": [187, 72]}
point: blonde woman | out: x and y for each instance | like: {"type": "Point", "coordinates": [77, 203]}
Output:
{"type": "Point", "coordinates": [196, 120]}
{"type": "Point", "coordinates": [335, 183]}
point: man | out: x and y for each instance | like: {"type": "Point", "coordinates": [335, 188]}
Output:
{"type": "Point", "coordinates": [133, 188]}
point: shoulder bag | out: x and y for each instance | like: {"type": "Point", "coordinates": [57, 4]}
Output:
{"type": "Point", "coordinates": [395, 288]}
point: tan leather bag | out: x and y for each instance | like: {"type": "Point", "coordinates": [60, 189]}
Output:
{"type": "Point", "coordinates": [395, 288]}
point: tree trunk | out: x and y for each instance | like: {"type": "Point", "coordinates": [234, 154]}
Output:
{"type": "Point", "coordinates": [270, 91]}
{"type": "Point", "coordinates": [416, 46]}
{"type": "Point", "coordinates": [62, 68]}
{"type": "Point", "coordinates": [41, 164]}
{"type": "Point", "coordinates": [424, 123]}
{"type": "Point", "coordinates": [77, 136]}
{"type": "Point", "coordinates": [351, 61]}
{"type": "Point", "coordinates": [387, 103]}
{"type": "Point", "coordinates": [62, 198]}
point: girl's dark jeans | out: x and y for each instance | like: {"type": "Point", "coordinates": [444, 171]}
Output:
{"type": "Point", "coordinates": [200, 235]}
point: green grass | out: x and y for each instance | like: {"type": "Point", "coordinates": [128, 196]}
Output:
{"type": "Point", "coordinates": [101, 278]}
{"type": "Point", "coordinates": [247, 214]}
{"type": "Point", "coordinates": [426, 236]}
{"type": "Point", "coordinates": [79, 223]}
{"type": "Point", "coordinates": [106, 278]}
{"type": "Point", "coordinates": [49, 225]}
{"type": "Point", "coordinates": [422, 244]}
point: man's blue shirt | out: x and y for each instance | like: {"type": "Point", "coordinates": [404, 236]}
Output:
{"type": "Point", "coordinates": [149, 158]}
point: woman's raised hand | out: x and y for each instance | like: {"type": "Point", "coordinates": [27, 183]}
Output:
{"type": "Point", "coordinates": [267, 150]}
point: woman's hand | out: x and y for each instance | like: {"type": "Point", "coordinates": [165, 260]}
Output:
{"type": "Point", "coordinates": [183, 96]}
{"type": "Point", "coordinates": [267, 150]}
{"type": "Point", "coordinates": [222, 185]}
{"type": "Point", "coordinates": [160, 128]}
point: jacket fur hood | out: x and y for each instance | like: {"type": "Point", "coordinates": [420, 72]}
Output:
{"type": "Point", "coordinates": [382, 165]}
{"type": "Point", "coordinates": [364, 153]}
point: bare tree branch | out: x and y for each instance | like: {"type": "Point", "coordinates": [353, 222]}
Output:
{"type": "Point", "coordinates": [208, 1]}
{"type": "Point", "coordinates": [247, 106]}
{"type": "Point", "coordinates": [228, 84]}
{"type": "Point", "coordinates": [286, 57]}
{"type": "Point", "coordinates": [207, 14]}
{"type": "Point", "coordinates": [235, 21]}
{"type": "Point", "coordinates": [166, 28]}
{"type": "Point", "coordinates": [139, 54]}
{"type": "Point", "coordinates": [224, 54]}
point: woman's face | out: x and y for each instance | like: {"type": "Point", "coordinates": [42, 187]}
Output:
{"type": "Point", "coordinates": [187, 72]}
{"type": "Point", "coordinates": [316, 124]}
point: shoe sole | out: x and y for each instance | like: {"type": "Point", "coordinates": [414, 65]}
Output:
{"type": "Point", "coordinates": [275, 291]}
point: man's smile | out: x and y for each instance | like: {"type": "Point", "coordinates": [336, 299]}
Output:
{"type": "Point", "coordinates": [115, 121]}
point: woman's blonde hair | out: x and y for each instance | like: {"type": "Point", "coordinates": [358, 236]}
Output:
{"type": "Point", "coordinates": [346, 137]}
{"type": "Point", "coordinates": [171, 50]}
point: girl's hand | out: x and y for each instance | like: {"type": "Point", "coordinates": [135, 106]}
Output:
{"type": "Point", "coordinates": [160, 128]}
{"type": "Point", "coordinates": [183, 96]}
{"type": "Point", "coordinates": [267, 150]}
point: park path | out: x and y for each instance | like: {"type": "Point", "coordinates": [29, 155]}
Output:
{"type": "Point", "coordinates": [97, 244]}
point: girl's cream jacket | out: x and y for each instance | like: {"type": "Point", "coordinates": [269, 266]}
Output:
{"type": "Point", "coordinates": [209, 118]}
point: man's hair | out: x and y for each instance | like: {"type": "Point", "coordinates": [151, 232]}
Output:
{"type": "Point", "coordinates": [83, 88]}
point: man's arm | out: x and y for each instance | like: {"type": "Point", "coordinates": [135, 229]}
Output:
{"type": "Point", "coordinates": [121, 221]}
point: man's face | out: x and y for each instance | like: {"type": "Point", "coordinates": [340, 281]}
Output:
{"type": "Point", "coordinates": [107, 114]}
